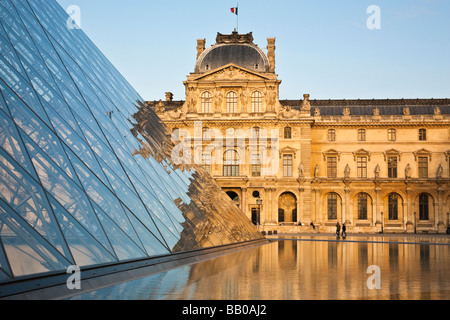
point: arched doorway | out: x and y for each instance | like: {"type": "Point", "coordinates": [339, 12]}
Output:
{"type": "Point", "coordinates": [233, 196]}
{"type": "Point", "coordinates": [287, 208]}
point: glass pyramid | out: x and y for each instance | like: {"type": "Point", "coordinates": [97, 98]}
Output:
{"type": "Point", "coordinates": [81, 182]}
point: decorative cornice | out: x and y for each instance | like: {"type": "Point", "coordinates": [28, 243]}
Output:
{"type": "Point", "coordinates": [392, 152]}
{"type": "Point", "coordinates": [361, 152]}
{"type": "Point", "coordinates": [331, 153]}
{"type": "Point", "coordinates": [422, 152]}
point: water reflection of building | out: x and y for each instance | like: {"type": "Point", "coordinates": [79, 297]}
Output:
{"type": "Point", "coordinates": [362, 162]}
{"type": "Point", "coordinates": [302, 270]}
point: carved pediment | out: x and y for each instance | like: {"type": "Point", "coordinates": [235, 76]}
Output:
{"type": "Point", "coordinates": [331, 153]}
{"type": "Point", "coordinates": [361, 153]}
{"type": "Point", "coordinates": [392, 152]}
{"type": "Point", "coordinates": [288, 150]}
{"type": "Point", "coordinates": [229, 72]}
{"type": "Point", "coordinates": [422, 153]}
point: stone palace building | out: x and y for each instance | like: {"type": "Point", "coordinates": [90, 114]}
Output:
{"type": "Point", "coordinates": [375, 165]}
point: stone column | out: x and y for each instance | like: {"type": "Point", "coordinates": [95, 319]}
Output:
{"type": "Point", "coordinates": [377, 216]}
{"type": "Point", "coordinates": [244, 200]}
{"type": "Point", "coordinates": [316, 212]}
{"type": "Point", "coordinates": [268, 205]}
{"type": "Point", "coordinates": [346, 212]}
{"type": "Point", "coordinates": [300, 207]}
{"type": "Point", "coordinates": [440, 215]}
{"type": "Point", "coordinates": [410, 221]}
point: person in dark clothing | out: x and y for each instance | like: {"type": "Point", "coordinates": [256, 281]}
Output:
{"type": "Point", "coordinates": [338, 229]}
{"type": "Point", "coordinates": [344, 231]}
{"type": "Point", "coordinates": [312, 225]}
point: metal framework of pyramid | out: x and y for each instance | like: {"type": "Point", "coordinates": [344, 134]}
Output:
{"type": "Point", "coordinates": [82, 182]}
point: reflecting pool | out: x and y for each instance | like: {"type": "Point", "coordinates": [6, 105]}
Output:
{"type": "Point", "coordinates": [302, 267]}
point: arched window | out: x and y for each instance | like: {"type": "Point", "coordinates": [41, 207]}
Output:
{"type": "Point", "coordinates": [231, 102]}
{"type": "Point", "coordinates": [332, 206]}
{"type": "Point", "coordinates": [256, 102]}
{"type": "Point", "coordinates": [362, 206]}
{"type": "Point", "coordinates": [234, 196]}
{"type": "Point", "coordinates": [206, 134]}
{"type": "Point", "coordinates": [288, 133]}
{"type": "Point", "coordinates": [287, 207]}
{"type": "Point", "coordinates": [393, 206]}
{"type": "Point", "coordinates": [206, 102]}
{"type": "Point", "coordinates": [231, 163]}
{"type": "Point", "coordinates": [255, 132]}
{"type": "Point", "coordinates": [423, 207]}
{"type": "Point", "coordinates": [176, 134]}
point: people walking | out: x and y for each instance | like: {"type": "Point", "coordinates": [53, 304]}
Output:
{"type": "Point", "coordinates": [338, 229]}
{"type": "Point", "coordinates": [344, 231]}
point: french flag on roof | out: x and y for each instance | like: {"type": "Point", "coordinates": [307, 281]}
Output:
{"type": "Point", "coordinates": [234, 10]}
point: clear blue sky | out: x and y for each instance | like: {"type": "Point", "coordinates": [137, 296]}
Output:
{"type": "Point", "coordinates": [324, 48]}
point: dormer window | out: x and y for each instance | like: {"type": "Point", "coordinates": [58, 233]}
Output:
{"type": "Point", "coordinates": [256, 66]}
{"type": "Point", "coordinates": [208, 67]}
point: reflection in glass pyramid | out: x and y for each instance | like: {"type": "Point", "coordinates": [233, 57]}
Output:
{"type": "Point", "coordinates": [81, 182]}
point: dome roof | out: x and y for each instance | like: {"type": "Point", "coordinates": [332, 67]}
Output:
{"type": "Point", "coordinates": [234, 48]}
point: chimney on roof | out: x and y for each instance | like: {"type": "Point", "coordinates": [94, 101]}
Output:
{"type": "Point", "coordinates": [271, 53]}
{"type": "Point", "coordinates": [200, 46]}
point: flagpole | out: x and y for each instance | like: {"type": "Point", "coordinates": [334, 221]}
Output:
{"type": "Point", "coordinates": [237, 17]}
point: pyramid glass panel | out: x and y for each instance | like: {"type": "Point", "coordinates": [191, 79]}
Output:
{"type": "Point", "coordinates": [86, 175]}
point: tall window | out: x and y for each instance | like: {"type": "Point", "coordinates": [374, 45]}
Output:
{"type": "Point", "coordinates": [255, 133]}
{"type": "Point", "coordinates": [362, 167]}
{"type": "Point", "coordinates": [231, 102]}
{"type": "Point", "coordinates": [362, 206]}
{"type": "Point", "coordinates": [176, 134]}
{"type": "Point", "coordinates": [332, 206]}
{"type": "Point", "coordinates": [392, 167]}
{"type": "Point", "coordinates": [422, 134]}
{"type": "Point", "coordinates": [332, 135]}
{"type": "Point", "coordinates": [361, 134]}
{"type": "Point", "coordinates": [392, 135]}
{"type": "Point", "coordinates": [256, 217]}
{"type": "Point", "coordinates": [423, 167]}
{"type": "Point", "coordinates": [256, 165]}
{"type": "Point", "coordinates": [280, 215]}
{"type": "Point", "coordinates": [231, 163]}
{"type": "Point", "coordinates": [288, 133]}
{"type": "Point", "coordinates": [423, 207]}
{"type": "Point", "coordinates": [332, 167]}
{"type": "Point", "coordinates": [287, 165]}
{"type": "Point", "coordinates": [393, 206]}
{"type": "Point", "coordinates": [206, 102]}
{"type": "Point", "coordinates": [256, 102]}
{"type": "Point", "coordinates": [206, 162]}
{"type": "Point", "coordinates": [206, 134]}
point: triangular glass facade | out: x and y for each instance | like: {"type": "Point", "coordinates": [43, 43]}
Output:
{"type": "Point", "coordinates": [81, 183]}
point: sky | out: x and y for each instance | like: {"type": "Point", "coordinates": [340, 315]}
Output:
{"type": "Point", "coordinates": [329, 49]}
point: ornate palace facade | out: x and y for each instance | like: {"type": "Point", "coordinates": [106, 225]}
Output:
{"type": "Point", "coordinates": [372, 164]}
